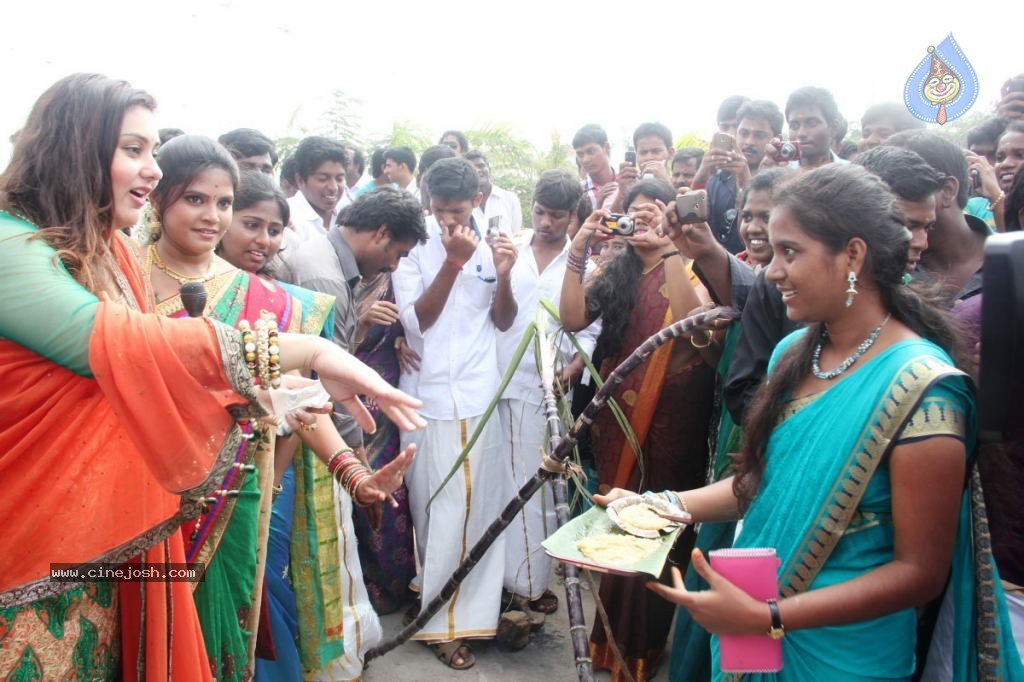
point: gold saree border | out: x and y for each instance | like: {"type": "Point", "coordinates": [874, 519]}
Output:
{"type": "Point", "coordinates": [898, 404]}
{"type": "Point", "coordinates": [191, 505]}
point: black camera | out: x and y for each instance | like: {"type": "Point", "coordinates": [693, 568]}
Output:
{"type": "Point", "coordinates": [620, 224]}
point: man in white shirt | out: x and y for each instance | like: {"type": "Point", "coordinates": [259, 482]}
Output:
{"type": "Point", "coordinates": [496, 202]}
{"type": "Point", "coordinates": [538, 274]}
{"type": "Point", "coordinates": [592, 150]}
{"type": "Point", "coordinates": [453, 293]}
{"type": "Point", "coordinates": [353, 174]}
{"type": "Point", "coordinates": [320, 174]}
{"type": "Point", "coordinates": [400, 167]}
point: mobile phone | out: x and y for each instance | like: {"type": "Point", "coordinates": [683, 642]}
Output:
{"type": "Point", "coordinates": [493, 229]}
{"type": "Point", "coordinates": [692, 207]}
{"type": "Point", "coordinates": [723, 142]}
{"type": "Point", "coordinates": [630, 157]}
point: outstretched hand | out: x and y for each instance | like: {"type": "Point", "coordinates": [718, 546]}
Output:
{"type": "Point", "coordinates": [724, 609]}
{"type": "Point", "coordinates": [345, 378]}
{"type": "Point", "coordinates": [383, 482]}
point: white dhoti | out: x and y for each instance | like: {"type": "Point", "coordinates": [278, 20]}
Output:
{"type": "Point", "coordinates": [456, 519]}
{"type": "Point", "coordinates": [524, 433]}
{"type": "Point", "coordinates": [361, 623]}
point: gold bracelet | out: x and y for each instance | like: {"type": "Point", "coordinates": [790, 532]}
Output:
{"type": "Point", "coordinates": [711, 337]}
{"type": "Point", "coordinates": [263, 353]}
{"type": "Point", "coordinates": [992, 204]}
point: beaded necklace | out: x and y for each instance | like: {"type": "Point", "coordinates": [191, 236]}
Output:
{"type": "Point", "coordinates": [848, 362]}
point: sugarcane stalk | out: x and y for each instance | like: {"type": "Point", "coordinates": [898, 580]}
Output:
{"type": "Point", "coordinates": [510, 371]}
{"type": "Point", "coordinates": [595, 375]}
{"type": "Point", "coordinates": [573, 598]}
{"type": "Point", "coordinates": [602, 615]}
{"type": "Point", "coordinates": [700, 321]}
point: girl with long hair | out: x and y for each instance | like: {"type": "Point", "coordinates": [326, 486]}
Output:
{"type": "Point", "coordinates": [116, 425]}
{"type": "Point", "coordinates": [668, 402]}
{"type": "Point", "coordinates": [854, 461]}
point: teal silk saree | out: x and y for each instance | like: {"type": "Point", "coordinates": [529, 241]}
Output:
{"type": "Point", "coordinates": [825, 505]}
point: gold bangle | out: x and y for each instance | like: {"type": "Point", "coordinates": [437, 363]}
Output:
{"type": "Point", "coordinates": [992, 204]}
{"type": "Point", "coordinates": [711, 337]}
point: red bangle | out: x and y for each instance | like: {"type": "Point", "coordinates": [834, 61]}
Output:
{"type": "Point", "coordinates": [457, 265]}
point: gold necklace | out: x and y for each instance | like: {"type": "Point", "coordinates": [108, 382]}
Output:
{"type": "Point", "coordinates": [180, 278]}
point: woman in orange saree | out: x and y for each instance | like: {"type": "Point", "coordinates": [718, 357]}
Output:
{"type": "Point", "coordinates": [114, 423]}
{"type": "Point", "coordinates": [667, 403]}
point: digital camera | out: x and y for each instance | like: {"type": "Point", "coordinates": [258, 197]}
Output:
{"type": "Point", "coordinates": [787, 151]}
{"type": "Point", "coordinates": [620, 223]}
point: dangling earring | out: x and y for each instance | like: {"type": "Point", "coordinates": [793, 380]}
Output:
{"type": "Point", "coordinates": [851, 290]}
{"type": "Point", "coordinates": [151, 226]}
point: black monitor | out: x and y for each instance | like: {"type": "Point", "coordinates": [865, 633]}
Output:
{"type": "Point", "coordinates": [1001, 382]}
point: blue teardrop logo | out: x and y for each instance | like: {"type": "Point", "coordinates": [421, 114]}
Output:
{"type": "Point", "coordinates": [944, 86]}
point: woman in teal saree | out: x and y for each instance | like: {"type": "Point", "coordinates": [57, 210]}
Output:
{"type": "Point", "coordinates": [855, 462]}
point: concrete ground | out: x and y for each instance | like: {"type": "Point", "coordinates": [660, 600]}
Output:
{"type": "Point", "coordinates": [548, 657]}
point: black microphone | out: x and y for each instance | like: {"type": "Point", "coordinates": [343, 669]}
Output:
{"type": "Point", "coordinates": [193, 296]}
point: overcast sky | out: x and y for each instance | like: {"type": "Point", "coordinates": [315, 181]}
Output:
{"type": "Point", "coordinates": [539, 65]}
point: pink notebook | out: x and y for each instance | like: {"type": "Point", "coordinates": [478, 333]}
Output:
{"type": "Point", "coordinates": [755, 571]}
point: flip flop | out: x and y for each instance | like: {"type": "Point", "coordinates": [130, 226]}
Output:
{"type": "Point", "coordinates": [546, 603]}
{"type": "Point", "coordinates": [447, 652]}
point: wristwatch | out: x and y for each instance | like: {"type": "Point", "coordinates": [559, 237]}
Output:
{"type": "Point", "coordinates": [776, 631]}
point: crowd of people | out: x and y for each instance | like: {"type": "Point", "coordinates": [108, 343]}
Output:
{"type": "Point", "coordinates": [313, 435]}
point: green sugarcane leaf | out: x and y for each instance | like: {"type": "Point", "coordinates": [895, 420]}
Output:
{"type": "Point", "coordinates": [620, 416]}
{"type": "Point", "coordinates": [528, 334]}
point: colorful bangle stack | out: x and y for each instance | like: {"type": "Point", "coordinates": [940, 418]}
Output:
{"type": "Point", "coordinates": [349, 472]}
{"type": "Point", "coordinates": [675, 499]}
{"type": "Point", "coordinates": [337, 458]}
{"type": "Point", "coordinates": [577, 264]}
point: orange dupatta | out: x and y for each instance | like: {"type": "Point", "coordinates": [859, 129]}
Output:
{"type": "Point", "coordinates": [106, 469]}
{"type": "Point", "coordinates": [647, 398]}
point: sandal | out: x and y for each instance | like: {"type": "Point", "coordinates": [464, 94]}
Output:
{"type": "Point", "coordinates": [448, 652]}
{"type": "Point", "coordinates": [546, 603]}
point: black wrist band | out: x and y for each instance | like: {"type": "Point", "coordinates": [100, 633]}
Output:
{"type": "Point", "coordinates": [776, 631]}
{"type": "Point", "coordinates": [669, 254]}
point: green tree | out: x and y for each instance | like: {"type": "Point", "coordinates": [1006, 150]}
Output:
{"type": "Point", "coordinates": [340, 121]}
{"type": "Point", "coordinates": [404, 134]}
{"type": "Point", "coordinates": [559, 155]}
{"type": "Point", "coordinates": [513, 160]}
{"type": "Point", "coordinates": [957, 130]}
